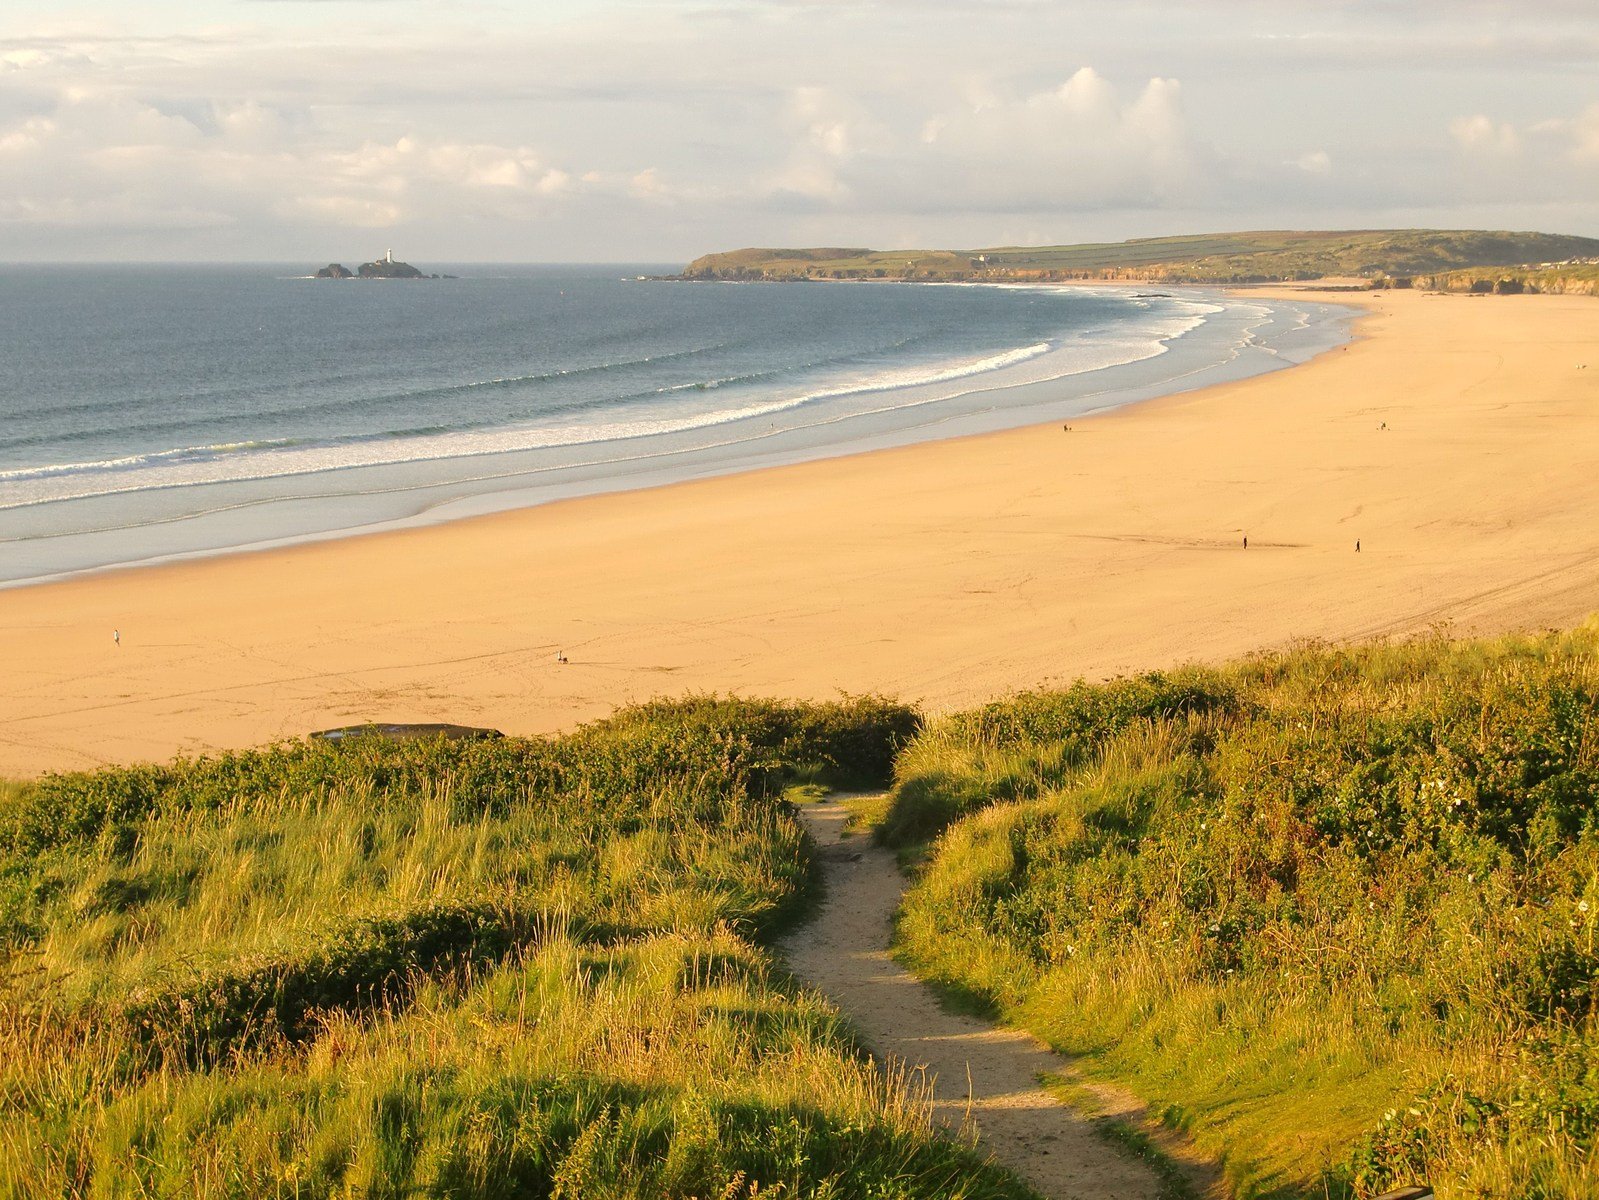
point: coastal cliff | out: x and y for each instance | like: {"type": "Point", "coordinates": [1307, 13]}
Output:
{"type": "Point", "coordinates": [1393, 256]}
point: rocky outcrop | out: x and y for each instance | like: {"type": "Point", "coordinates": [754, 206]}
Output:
{"type": "Point", "coordinates": [388, 268]}
{"type": "Point", "coordinates": [380, 268]}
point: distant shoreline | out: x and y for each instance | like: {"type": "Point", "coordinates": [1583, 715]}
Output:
{"type": "Point", "coordinates": [233, 520]}
{"type": "Point", "coordinates": [1429, 259]}
{"type": "Point", "coordinates": [1449, 438]}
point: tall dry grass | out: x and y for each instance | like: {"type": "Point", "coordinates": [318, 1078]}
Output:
{"type": "Point", "coordinates": [521, 968]}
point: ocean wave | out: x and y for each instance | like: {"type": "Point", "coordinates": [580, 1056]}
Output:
{"type": "Point", "coordinates": [836, 388]}
{"type": "Point", "coordinates": [316, 385]}
{"type": "Point", "coordinates": [133, 462]}
{"type": "Point", "coordinates": [230, 462]}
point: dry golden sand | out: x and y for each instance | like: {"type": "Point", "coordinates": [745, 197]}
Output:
{"type": "Point", "coordinates": [945, 573]}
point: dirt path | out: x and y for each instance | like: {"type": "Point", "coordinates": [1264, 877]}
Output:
{"type": "Point", "coordinates": [988, 1072]}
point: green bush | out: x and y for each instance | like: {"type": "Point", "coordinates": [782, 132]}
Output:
{"type": "Point", "coordinates": [1315, 909]}
{"type": "Point", "coordinates": [473, 969]}
{"type": "Point", "coordinates": [1016, 748]}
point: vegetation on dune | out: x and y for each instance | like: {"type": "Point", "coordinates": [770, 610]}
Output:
{"type": "Point", "coordinates": [1257, 257]}
{"type": "Point", "coordinates": [1336, 912]}
{"type": "Point", "coordinates": [519, 967]}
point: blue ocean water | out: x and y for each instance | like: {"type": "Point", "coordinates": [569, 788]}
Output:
{"type": "Point", "coordinates": [153, 411]}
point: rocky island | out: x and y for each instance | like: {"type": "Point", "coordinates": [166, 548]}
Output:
{"type": "Point", "coordinates": [383, 268]}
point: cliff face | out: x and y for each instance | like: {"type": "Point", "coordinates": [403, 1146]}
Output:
{"type": "Point", "coordinates": [1570, 279]}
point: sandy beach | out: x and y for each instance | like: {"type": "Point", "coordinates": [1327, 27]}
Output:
{"type": "Point", "coordinates": [1457, 440]}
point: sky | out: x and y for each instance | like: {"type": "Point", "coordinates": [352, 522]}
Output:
{"type": "Point", "coordinates": [633, 131]}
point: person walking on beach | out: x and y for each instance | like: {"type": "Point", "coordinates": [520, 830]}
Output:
{"type": "Point", "coordinates": [116, 636]}
{"type": "Point", "coordinates": [1357, 545]}
{"type": "Point", "coordinates": [1246, 541]}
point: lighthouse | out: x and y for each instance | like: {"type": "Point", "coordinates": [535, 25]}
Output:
{"type": "Point", "coordinates": [388, 256]}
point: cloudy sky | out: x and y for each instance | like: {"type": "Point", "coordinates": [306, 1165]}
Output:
{"type": "Point", "coordinates": [652, 130]}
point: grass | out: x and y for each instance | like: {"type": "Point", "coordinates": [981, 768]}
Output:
{"type": "Point", "coordinates": [1333, 912]}
{"type": "Point", "coordinates": [1206, 258]}
{"type": "Point", "coordinates": [527, 967]}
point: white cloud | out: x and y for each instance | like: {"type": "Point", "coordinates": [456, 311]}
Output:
{"type": "Point", "coordinates": [1315, 162]}
{"type": "Point", "coordinates": [1579, 135]}
{"type": "Point", "coordinates": [110, 157]}
{"type": "Point", "coordinates": [24, 60]}
{"type": "Point", "coordinates": [608, 128]}
{"type": "Point", "coordinates": [1585, 135]}
{"type": "Point", "coordinates": [1480, 134]}
{"type": "Point", "coordinates": [1078, 145]}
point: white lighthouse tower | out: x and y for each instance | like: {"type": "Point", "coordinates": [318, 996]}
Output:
{"type": "Point", "coordinates": [388, 256]}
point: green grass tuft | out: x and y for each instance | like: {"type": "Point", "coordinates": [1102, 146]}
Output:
{"type": "Point", "coordinates": [1341, 919]}
{"type": "Point", "coordinates": [486, 969]}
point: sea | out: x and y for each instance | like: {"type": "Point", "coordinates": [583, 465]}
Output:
{"type": "Point", "coordinates": [156, 412]}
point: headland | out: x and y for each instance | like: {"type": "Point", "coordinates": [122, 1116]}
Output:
{"type": "Point", "coordinates": [1432, 259]}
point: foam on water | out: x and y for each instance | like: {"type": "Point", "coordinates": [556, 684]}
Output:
{"type": "Point", "coordinates": [237, 461]}
{"type": "Point", "coordinates": [666, 382]}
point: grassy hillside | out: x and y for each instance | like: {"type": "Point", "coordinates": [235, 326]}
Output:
{"type": "Point", "coordinates": [1336, 912]}
{"type": "Point", "coordinates": [1208, 258]}
{"type": "Point", "coordinates": [517, 968]}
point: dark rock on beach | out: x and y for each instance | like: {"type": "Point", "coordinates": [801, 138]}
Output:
{"type": "Point", "coordinates": [406, 731]}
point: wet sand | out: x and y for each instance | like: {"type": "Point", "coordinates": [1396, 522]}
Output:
{"type": "Point", "coordinates": [946, 572]}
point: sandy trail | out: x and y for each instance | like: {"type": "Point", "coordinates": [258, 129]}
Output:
{"type": "Point", "coordinates": [979, 1072]}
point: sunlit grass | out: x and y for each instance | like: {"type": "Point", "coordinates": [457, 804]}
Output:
{"type": "Point", "coordinates": [1341, 926]}
{"type": "Point", "coordinates": [480, 970]}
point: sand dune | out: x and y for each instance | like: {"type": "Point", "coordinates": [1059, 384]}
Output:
{"type": "Point", "coordinates": [945, 573]}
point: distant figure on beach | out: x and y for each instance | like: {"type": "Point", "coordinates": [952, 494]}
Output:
{"type": "Point", "coordinates": [116, 636]}
{"type": "Point", "coordinates": [1246, 541]}
{"type": "Point", "coordinates": [1357, 545]}
{"type": "Point", "coordinates": [1384, 425]}
{"type": "Point", "coordinates": [560, 656]}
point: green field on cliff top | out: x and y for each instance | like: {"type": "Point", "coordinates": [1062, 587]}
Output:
{"type": "Point", "coordinates": [1205, 258]}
